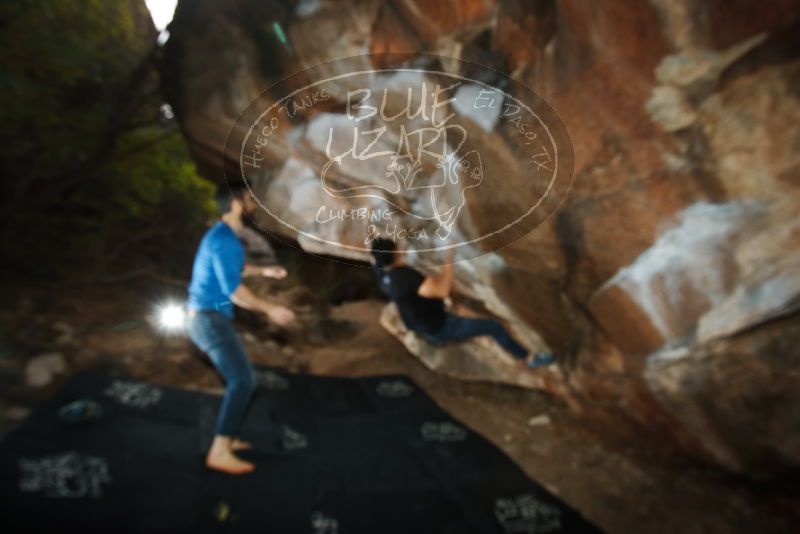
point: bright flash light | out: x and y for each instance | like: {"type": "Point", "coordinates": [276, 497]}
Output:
{"type": "Point", "coordinates": [171, 317]}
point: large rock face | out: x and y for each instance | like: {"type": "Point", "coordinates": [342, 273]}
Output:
{"type": "Point", "coordinates": [669, 279]}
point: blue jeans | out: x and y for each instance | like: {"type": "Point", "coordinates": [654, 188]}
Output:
{"type": "Point", "coordinates": [213, 333]}
{"type": "Point", "coordinates": [458, 328]}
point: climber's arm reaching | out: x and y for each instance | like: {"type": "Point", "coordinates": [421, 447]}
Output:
{"type": "Point", "coordinates": [438, 286]}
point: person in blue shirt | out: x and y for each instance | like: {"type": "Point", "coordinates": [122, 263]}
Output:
{"type": "Point", "coordinates": [216, 286]}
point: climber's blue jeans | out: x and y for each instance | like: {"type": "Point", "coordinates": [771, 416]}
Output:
{"type": "Point", "coordinates": [458, 328]}
{"type": "Point", "coordinates": [213, 333]}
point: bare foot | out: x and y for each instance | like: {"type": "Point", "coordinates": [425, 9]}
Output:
{"type": "Point", "coordinates": [221, 458]}
{"type": "Point", "coordinates": [238, 445]}
{"type": "Point", "coordinates": [227, 462]}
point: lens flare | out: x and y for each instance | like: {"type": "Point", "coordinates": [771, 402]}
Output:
{"type": "Point", "coordinates": [171, 317]}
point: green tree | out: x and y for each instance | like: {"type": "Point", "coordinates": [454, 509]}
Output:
{"type": "Point", "coordinates": [95, 177]}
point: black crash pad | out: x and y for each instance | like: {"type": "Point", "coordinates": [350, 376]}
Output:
{"type": "Point", "coordinates": [353, 455]}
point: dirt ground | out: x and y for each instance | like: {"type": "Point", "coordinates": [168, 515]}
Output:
{"type": "Point", "coordinates": [624, 485]}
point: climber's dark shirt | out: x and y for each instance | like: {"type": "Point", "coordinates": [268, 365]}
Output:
{"type": "Point", "coordinates": [419, 314]}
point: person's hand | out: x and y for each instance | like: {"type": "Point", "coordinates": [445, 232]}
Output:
{"type": "Point", "coordinates": [280, 315]}
{"type": "Point", "coordinates": [275, 271]}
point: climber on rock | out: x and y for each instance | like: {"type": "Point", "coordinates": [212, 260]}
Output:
{"type": "Point", "coordinates": [215, 287]}
{"type": "Point", "coordinates": [420, 301]}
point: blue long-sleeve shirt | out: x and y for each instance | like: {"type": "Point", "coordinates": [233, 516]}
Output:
{"type": "Point", "coordinates": [217, 270]}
